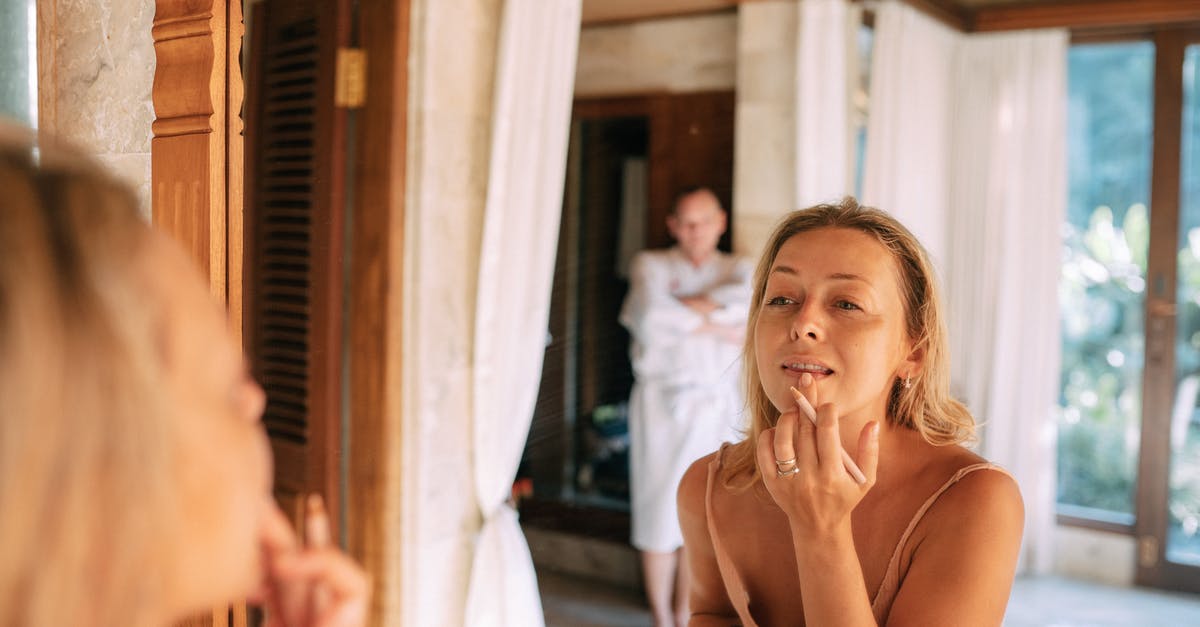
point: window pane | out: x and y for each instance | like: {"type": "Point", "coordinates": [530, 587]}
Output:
{"type": "Point", "coordinates": [1110, 129]}
{"type": "Point", "coordinates": [18, 68]}
{"type": "Point", "coordinates": [860, 99]}
{"type": "Point", "coordinates": [1183, 519]}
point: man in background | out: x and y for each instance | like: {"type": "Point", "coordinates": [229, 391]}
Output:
{"type": "Point", "coordinates": [686, 312]}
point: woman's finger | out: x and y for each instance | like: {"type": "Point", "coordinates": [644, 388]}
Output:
{"type": "Point", "coordinates": [316, 536]}
{"type": "Point", "coordinates": [783, 444]}
{"type": "Point", "coordinates": [345, 580]}
{"type": "Point", "coordinates": [829, 442]}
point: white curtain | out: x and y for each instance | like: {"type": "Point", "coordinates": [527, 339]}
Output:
{"type": "Point", "coordinates": [825, 39]}
{"type": "Point", "coordinates": [534, 79]}
{"type": "Point", "coordinates": [906, 172]}
{"type": "Point", "coordinates": [1008, 197]}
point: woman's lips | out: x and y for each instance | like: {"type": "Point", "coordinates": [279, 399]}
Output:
{"type": "Point", "coordinates": [797, 367]}
{"type": "Point", "coordinates": [816, 375]}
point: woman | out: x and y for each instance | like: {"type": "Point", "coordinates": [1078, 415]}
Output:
{"type": "Point", "coordinates": [134, 471]}
{"type": "Point", "coordinates": [776, 530]}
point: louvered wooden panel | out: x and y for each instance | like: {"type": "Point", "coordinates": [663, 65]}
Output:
{"type": "Point", "coordinates": [293, 231]}
{"type": "Point", "coordinates": [283, 227]}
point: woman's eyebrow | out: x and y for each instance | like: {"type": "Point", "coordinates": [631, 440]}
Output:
{"type": "Point", "coordinates": [844, 276]}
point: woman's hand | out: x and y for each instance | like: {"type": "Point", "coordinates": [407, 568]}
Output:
{"type": "Point", "coordinates": [309, 584]}
{"type": "Point", "coordinates": [819, 494]}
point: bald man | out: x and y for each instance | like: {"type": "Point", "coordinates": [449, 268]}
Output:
{"type": "Point", "coordinates": [686, 312]}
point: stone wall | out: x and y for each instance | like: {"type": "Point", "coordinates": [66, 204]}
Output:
{"type": "Point", "coordinates": [95, 71]}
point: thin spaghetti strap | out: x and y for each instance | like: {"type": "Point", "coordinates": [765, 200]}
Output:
{"type": "Point", "coordinates": [891, 574]}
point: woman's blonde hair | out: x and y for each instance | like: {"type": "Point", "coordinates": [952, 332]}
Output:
{"type": "Point", "coordinates": [926, 406]}
{"type": "Point", "coordinates": [85, 445]}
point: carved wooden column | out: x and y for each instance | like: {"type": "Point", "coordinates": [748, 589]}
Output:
{"type": "Point", "coordinates": [196, 148]}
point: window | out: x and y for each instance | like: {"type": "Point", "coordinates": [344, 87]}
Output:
{"type": "Point", "coordinates": [1110, 134]}
{"type": "Point", "coordinates": [1129, 420]}
{"type": "Point", "coordinates": [18, 61]}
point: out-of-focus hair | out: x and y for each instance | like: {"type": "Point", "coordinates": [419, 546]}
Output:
{"type": "Point", "coordinates": [85, 446]}
{"type": "Point", "coordinates": [927, 405]}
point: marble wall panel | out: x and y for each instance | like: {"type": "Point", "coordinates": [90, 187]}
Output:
{"type": "Point", "coordinates": [693, 53]}
{"type": "Point", "coordinates": [95, 74]}
{"type": "Point", "coordinates": [452, 61]}
{"type": "Point", "coordinates": [765, 163]}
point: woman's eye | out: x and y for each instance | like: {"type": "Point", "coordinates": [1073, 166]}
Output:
{"type": "Point", "coordinates": [846, 305]}
{"type": "Point", "coordinates": [780, 301]}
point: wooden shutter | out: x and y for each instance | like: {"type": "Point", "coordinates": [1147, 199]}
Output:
{"type": "Point", "coordinates": [294, 226]}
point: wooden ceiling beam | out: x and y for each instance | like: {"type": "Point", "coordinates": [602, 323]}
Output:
{"type": "Point", "coordinates": [1087, 14]}
{"type": "Point", "coordinates": [1078, 15]}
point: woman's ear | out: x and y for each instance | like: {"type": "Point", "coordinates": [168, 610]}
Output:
{"type": "Point", "coordinates": [914, 363]}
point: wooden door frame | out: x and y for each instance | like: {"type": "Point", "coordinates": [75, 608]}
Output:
{"type": "Point", "coordinates": [1159, 373]}
{"type": "Point", "coordinates": [375, 307]}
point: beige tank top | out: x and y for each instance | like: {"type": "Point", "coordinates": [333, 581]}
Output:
{"type": "Point", "coordinates": [881, 602]}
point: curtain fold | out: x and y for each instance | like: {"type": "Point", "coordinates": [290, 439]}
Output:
{"type": "Point", "coordinates": [966, 146]}
{"type": "Point", "coordinates": [534, 81]}
{"type": "Point", "coordinates": [1008, 195]}
{"type": "Point", "coordinates": [906, 170]}
{"type": "Point", "coordinates": [823, 44]}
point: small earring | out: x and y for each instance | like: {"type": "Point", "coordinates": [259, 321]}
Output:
{"type": "Point", "coordinates": [907, 381]}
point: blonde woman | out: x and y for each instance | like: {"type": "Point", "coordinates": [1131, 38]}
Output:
{"type": "Point", "coordinates": [776, 529]}
{"type": "Point", "coordinates": [134, 472]}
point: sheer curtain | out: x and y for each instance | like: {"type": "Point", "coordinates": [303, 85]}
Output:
{"type": "Point", "coordinates": [823, 44]}
{"type": "Point", "coordinates": [534, 81]}
{"type": "Point", "coordinates": [1008, 194]}
{"type": "Point", "coordinates": [966, 146]}
{"type": "Point", "coordinates": [907, 166]}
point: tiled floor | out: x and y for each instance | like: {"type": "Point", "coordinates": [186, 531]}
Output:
{"type": "Point", "coordinates": [1042, 602]}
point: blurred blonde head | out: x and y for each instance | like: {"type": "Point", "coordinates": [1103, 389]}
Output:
{"type": "Point", "coordinates": [926, 406]}
{"type": "Point", "coordinates": [84, 450]}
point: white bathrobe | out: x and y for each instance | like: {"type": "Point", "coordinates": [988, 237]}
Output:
{"type": "Point", "coordinates": [686, 398]}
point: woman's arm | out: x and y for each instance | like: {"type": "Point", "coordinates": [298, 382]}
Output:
{"type": "Point", "coordinates": [708, 601]}
{"type": "Point", "coordinates": [962, 570]}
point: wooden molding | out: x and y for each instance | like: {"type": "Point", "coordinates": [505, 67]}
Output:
{"type": "Point", "coordinates": [47, 67]}
{"type": "Point", "coordinates": [373, 517]}
{"type": "Point", "coordinates": [235, 166]}
{"type": "Point", "coordinates": [188, 151]}
{"type": "Point", "coordinates": [1086, 14]}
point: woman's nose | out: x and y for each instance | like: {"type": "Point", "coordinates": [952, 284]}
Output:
{"type": "Point", "coordinates": [806, 322]}
{"type": "Point", "coordinates": [254, 399]}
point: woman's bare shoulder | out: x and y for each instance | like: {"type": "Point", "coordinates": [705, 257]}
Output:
{"type": "Point", "coordinates": [983, 491]}
{"type": "Point", "coordinates": [694, 485]}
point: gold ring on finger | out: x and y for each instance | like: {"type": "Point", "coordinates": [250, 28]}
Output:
{"type": "Point", "coordinates": [787, 473]}
{"type": "Point", "coordinates": [785, 463]}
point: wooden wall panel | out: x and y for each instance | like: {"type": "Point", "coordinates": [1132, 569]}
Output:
{"type": "Point", "coordinates": [373, 519]}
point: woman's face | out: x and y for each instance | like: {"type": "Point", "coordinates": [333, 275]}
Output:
{"type": "Point", "coordinates": [832, 308]}
{"type": "Point", "coordinates": [223, 465]}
